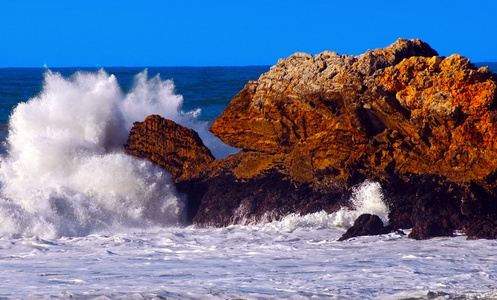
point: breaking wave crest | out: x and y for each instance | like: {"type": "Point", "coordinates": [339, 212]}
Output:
{"type": "Point", "coordinates": [65, 173]}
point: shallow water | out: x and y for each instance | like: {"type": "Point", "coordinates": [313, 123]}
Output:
{"type": "Point", "coordinates": [250, 262]}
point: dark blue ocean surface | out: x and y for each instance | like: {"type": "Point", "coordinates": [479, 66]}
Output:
{"type": "Point", "coordinates": [201, 87]}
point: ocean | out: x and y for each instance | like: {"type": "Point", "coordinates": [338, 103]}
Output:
{"type": "Point", "coordinates": [79, 219]}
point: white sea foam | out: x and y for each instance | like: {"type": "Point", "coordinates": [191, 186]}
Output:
{"type": "Point", "coordinates": [66, 173]}
{"type": "Point", "coordinates": [244, 262]}
{"type": "Point", "coordinates": [366, 198]}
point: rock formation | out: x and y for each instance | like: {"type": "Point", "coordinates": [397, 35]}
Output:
{"type": "Point", "coordinates": [366, 224]}
{"type": "Point", "coordinates": [174, 147]}
{"type": "Point", "coordinates": [312, 127]}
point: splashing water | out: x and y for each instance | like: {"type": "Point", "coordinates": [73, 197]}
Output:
{"type": "Point", "coordinates": [366, 198]}
{"type": "Point", "coordinates": [66, 174]}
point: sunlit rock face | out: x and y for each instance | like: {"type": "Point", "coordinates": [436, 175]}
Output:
{"type": "Point", "coordinates": [313, 127]}
{"type": "Point", "coordinates": [305, 95]}
{"type": "Point", "coordinates": [174, 147]}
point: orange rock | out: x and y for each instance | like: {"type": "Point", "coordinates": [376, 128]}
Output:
{"type": "Point", "coordinates": [449, 103]}
{"type": "Point", "coordinates": [176, 148]}
{"type": "Point", "coordinates": [312, 127]}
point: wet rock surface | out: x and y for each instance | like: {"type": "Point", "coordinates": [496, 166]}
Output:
{"type": "Point", "coordinates": [366, 224]}
{"type": "Point", "coordinates": [313, 127]}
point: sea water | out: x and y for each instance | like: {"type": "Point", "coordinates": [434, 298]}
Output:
{"type": "Point", "coordinates": [79, 219]}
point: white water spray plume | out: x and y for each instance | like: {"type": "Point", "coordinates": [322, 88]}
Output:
{"type": "Point", "coordinates": [367, 197]}
{"type": "Point", "coordinates": [66, 173]}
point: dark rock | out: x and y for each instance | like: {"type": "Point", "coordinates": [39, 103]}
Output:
{"type": "Point", "coordinates": [366, 224]}
{"type": "Point", "coordinates": [431, 228]}
{"type": "Point", "coordinates": [482, 228]}
{"type": "Point", "coordinates": [232, 195]}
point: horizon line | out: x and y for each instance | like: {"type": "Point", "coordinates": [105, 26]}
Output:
{"type": "Point", "coordinates": [100, 67]}
{"type": "Point", "coordinates": [171, 66]}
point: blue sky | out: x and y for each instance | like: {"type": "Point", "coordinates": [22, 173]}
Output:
{"type": "Point", "coordinates": [232, 32]}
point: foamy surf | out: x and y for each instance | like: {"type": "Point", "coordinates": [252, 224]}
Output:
{"type": "Point", "coordinates": [367, 197]}
{"type": "Point", "coordinates": [66, 174]}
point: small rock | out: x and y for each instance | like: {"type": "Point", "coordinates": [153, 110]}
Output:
{"type": "Point", "coordinates": [484, 228]}
{"type": "Point", "coordinates": [366, 224]}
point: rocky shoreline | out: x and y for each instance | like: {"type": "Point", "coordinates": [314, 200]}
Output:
{"type": "Point", "coordinates": [313, 127]}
